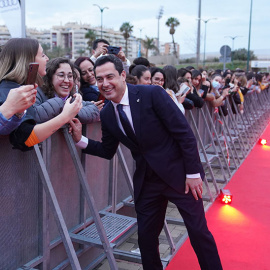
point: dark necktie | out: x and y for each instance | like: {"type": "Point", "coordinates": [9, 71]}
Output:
{"type": "Point", "coordinates": [126, 124]}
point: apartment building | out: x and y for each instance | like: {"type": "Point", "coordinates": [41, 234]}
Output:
{"type": "Point", "coordinates": [72, 35]}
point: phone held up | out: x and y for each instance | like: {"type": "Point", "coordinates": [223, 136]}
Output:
{"type": "Point", "coordinates": [113, 50]}
{"type": "Point", "coordinates": [32, 73]}
{"type": "Point", "coordinates": [184, 89]}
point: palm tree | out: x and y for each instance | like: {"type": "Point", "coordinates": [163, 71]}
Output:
{"type": "Point", "coordinates": [91, 35]}
{"type": "Point", "coordinates": [126, 29]}
{"type": "Point", "coordinates": [149, 44]}
{"type": "Point", "coordinates": [172, 23]}
{"type": "Point", "coordinates": [81, 52]}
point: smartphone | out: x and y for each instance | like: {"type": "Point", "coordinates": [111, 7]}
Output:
{"type": "Point", "coordinates": [100, 97]}
{"type": "Point", "coordinates": [201, 92]}
{"type": "Point", "coordinates": [226, 86]}
{"type": "Point", "coordinates": [184, 89]}
{"type": "Point", "coordinates": [113, 50]}
{"type": "Point", "coordinates": [32, 73]}
{"type": "Point", "coordinates": [72, 99]}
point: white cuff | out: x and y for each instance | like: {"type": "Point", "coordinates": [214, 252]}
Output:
{"type": "Point", "coordinates": [195, 175]}
{"type": "Point", "coordinates": [93, 58]}
{"type": "Point", "coordinates": [82, 144]}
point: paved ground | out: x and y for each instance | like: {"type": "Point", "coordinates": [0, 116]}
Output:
{"type": "Point", "coordinates": [178, 232]}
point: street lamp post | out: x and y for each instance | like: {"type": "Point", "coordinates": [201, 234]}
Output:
{"type": "Point", "coordinates": [199, 35]}
{"type": "Point", "coordinates": [159, 16]}
{"type": "Point", "coordinates": [249, 35]}
{"type": "Point", "coordinates": [140, 44]}
{"type": "Point", "coordinates": [101, 11]}
{"type": "Point", "coordinates": [205, 22]}
{"type": "Point", "coordinates": [233, 38]}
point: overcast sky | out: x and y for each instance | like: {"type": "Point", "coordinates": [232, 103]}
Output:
{"type": "Point", "coordinates": [232, 19]}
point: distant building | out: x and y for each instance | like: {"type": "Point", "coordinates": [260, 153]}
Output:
{"type": "Point", "coordinates": [72, 35]}
{"type": "Point", "coordinates": [168, 48]}
{"type": "Point", "coordinates": [4, 34]}
{"type": "Point", "coordinates": [43, 36]}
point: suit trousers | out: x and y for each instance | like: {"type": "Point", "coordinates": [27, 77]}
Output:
{"type": "Point", "coordinates": [151, 208]}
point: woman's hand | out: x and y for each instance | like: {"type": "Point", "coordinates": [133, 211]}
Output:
{"type": "Point", "coordinates": [181, 98]}
{"type": "Point", "coordinates": [18, 100]}
{"type": "Point", "coordinates": [99, 104]}
{"type": "Point", "coordinates": [70, 110]}
{"type": "Point", "coordinates": [225, 92]}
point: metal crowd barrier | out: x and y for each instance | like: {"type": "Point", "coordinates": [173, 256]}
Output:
{"type": "Point", "coordinates": [61, 209]}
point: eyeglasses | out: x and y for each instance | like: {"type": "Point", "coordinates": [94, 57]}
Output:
{"type": "Point", "coordinates": [61, 77]}
{"type": "Point", "coordinates": [158, 80]}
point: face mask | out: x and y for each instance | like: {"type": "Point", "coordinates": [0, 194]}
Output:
{"type": "Point", "coordinates": [216, 84]}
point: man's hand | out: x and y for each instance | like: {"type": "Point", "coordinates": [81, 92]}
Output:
{"type": "Point", "coordinates": [101, 50]}
{"type": "Point", "coordinates": [75, 129]}
{"type": "Point", "coordinates": [99, 104]}
{"type": "Point", "coordinates": [121, 56]}
{"type": "Point", "coordinates": [196, 187]}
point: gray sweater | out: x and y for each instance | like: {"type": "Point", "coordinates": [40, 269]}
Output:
{"type": "Point", "coordinates": [47, 109]}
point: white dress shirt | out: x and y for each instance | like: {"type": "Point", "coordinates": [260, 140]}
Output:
{"type": "Point", "coordinates": [125, 101]}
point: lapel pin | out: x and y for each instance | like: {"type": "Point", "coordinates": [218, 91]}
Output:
{"type": "Point", "coordinates": [138, 100]}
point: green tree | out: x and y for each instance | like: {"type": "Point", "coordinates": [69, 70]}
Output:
{"type": "Point", "coordinates": [173, 23]}
{"type": "Point", "coordinates": [46, 47]}
{"type": "Point", "coordinates": [149, 44]}
{"type": "Point", "coordinates": [91, 36]}
{"type": "Point", "coordinates": [56, 52]}
{"type": "Point", "coordinates": [241, 54]}
{"type": "Point", "coordinates": [80, 52]}
{"type": "Point", "coordinates": [127, 29]}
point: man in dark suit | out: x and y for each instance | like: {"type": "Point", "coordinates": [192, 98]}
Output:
{"type": "Point", "coordinates": [168, 166]}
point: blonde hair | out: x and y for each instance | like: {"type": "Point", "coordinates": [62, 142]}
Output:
{"type": "Point", "coordinates": [242, 79]}
{"type": "Point", "coordinates": [15, 57]}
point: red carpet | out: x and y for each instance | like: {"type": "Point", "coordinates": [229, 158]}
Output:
{"type": "Point", "coordinates": [241, 230]}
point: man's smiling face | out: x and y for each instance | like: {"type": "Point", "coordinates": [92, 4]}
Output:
{"type": "Point", "coordinates": [110, 83]}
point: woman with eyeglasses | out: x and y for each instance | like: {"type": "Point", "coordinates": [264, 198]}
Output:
{"type": "Point", "coordinates": [157, 76]}
{"type": "Point", "coordinates": [15, 57]}
{"type": "Point", "coordinates": [59, 85]}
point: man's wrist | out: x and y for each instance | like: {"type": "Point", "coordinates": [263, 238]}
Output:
{"type": "Point", "coordinates": [193, 176]}
{"type": "Point", "coordinates": [82, 143]}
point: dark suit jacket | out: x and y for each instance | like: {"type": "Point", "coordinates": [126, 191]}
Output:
{"type": "Point", "coordinates": [166, 141]}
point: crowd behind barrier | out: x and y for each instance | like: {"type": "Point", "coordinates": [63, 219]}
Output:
{"type": "Point", "coordinates": [227, 112]}
{"type": "Point", "coordinates": [28, 227]}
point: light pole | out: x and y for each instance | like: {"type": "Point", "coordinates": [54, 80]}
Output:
{"type": "Point", "coordinates": [139, 51]}
{"type": "Point", "coordinates": [23, 18]}
{"type": "Point", "coordinates": [159, 16]}
{"type": "Point", "coordinates": [250, 18]}
{"type": "Point", "coordinates": [233, 38]}
{"type": "Point", "coordinates": [199, 35]}
{"type": "Point", "coordinates": [101, 11]}
{"type": "Point", "coordinates": [205, 22]}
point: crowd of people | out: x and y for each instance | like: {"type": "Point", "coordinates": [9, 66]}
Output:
{"type": "Point", "coordinates": [31, 113]}
{"type": "Point", "coordinates": [80, 92]}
